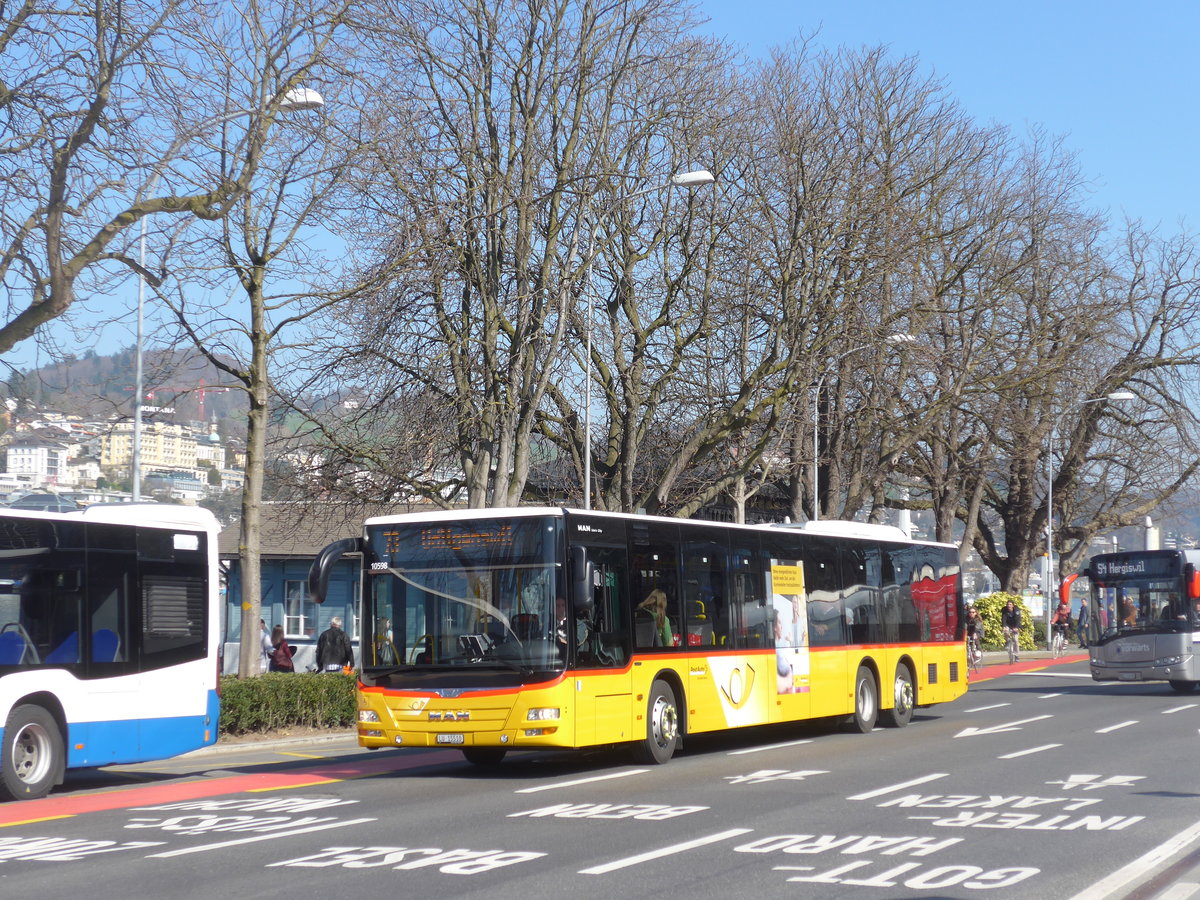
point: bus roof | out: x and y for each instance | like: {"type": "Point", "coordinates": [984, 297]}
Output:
{"type": "Point", "coordinates": [826, 527]}
{"type": "Point", "coordinates": [163, 515]}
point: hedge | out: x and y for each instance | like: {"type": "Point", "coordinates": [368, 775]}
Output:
{"type": "Point", "coordinates": [990, 607]}
{"type": "Point", "coordinates": [279, 700]}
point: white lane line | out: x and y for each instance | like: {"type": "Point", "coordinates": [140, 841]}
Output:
{"type": "Point", "coordinates": [769, 747]}
{"type": "Point", "coordinates": [1167, 712]}
{"type": "Point", "coordinates": [982, 708]}
{"type": "Point", "coordinates": [664, 851]}
{"type": "Point", "coordinates": [1115, 884]}
{"type": "Point", "coordinates": [258, 837]}
{"type": "Point", "coordinates": [1045, 674]}
{"type": "Point", "coordinates": [1048, 696]}
{"type": "Point", "coordinates": [1029, 751]}
{"type": "Point", "coordinates": [871, 795]}
{"type": "Point", "coordinates": [1116, 727]}
{"type": "Point", "coordinates": [578, 781]}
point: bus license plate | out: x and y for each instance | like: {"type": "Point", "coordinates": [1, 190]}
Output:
{"type": "Point", "coordinates": [1130, 676]}
{"type": "Point", "coordinates": [450, 738]}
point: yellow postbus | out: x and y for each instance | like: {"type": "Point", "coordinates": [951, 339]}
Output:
{"type": "Point", "coordinates": [525, 629]}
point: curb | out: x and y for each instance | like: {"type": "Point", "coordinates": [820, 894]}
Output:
{"type": "Point", "coordinates": [221, 748]}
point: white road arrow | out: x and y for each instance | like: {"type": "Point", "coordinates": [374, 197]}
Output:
{"type": "Point", "coordinates": [997, 729]}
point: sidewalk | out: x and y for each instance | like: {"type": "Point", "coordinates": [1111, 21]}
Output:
{"type": "Point", "coordinates": [270, 742]}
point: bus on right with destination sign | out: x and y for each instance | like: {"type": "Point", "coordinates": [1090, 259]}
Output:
{"type": "Point", "coordinates": [1143, 620]}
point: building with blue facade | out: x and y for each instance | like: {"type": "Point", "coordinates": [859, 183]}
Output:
{"type": "Point", "coordinates": [292, 535]}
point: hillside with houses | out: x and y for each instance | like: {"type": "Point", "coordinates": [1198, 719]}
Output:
{"type": "Point", "coordinates": [68, 430]}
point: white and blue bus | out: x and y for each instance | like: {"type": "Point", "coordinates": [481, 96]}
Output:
{"type": "Point", "coordinates": [108, 639]}
{"type": "Point", "coordinates": [1144, 617]}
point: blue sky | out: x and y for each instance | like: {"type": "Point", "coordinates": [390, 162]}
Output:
{"type": "Point", "coordinates": [1118, 80]}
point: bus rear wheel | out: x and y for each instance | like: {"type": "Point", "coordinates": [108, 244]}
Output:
{"type": "Point", "coordinates": [904, 699]}
{"type": "Point", "coordinates": [1183, 687]}
{"type": "Point", "coordinates": [662, 726]}
{"type": "Point", "coordinates": [866, 701]}
{"type": "Point", "coordinates": [32, 758]}
{"type": "Point", "coordinates": [484, 756]}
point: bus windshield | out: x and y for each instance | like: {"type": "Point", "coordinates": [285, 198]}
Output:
{"type": "Point", "coordinates": [477, 594]}
{"type": "Point", "coordinates": [1142, 604]}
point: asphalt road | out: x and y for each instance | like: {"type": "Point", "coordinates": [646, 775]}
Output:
{"type": "Point", "coordinates": [1036, 784]}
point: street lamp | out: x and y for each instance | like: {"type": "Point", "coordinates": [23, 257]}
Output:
{"type": "Point", "coordinates": [898, 338]}
{"type": "Point", "coordinates": [1115, 396]}
{"type": "Point", "coordinates": [297, 99]}
{"type": "Point", "coordinates": [696, 178]}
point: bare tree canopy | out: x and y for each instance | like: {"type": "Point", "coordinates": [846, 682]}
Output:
{"type": "Point", "coordinates": [880, 304]}
{"type": "Point", "coordinates": [113, 111]}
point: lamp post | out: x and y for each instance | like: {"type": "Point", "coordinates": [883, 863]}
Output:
{"type": "Point", "coordinates": [295, 100]}
{"type": "Point", "coordinates": [890, 339]}
{"type": "Point", "coordinates": [1116, 396]}
{"type": "Point", "coordinates": [696, 178]}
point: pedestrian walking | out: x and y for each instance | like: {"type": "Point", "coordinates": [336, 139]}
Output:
{"type": "Point", "coordinates": [334, 652]}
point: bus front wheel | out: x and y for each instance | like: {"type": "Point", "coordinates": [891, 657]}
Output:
{"type": "Point", "coordinates": [866, 701]}
{"type": "Point", "coordinates": [1184, 687]}
{"type": "Point", "coordinates": [32, 758]}
{"type": "Point", "coordinates": [662, 726]}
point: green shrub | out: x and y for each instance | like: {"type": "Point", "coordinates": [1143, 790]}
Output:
{"type": "Point", "coordinates": [990, 606]}
{"type": "Point", "coordinates": [279, 700]}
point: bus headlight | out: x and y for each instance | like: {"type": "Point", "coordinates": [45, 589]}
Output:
{"type": "Point", "coordinates": [542, 714]}
{"type": "Point", "coordinates": [1169, 661]}
{"type": "Point", "coordinates": [368, 715]}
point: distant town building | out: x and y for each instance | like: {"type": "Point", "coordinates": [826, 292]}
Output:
{"type": "Point", "coordinates": [44, 460]}
{"type": "Point", "coordinates": [164, 445]}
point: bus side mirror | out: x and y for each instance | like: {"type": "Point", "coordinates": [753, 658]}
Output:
{"type": "Point", "coordinates": [1064, 589]}
{"type": "Point", "coordinates": [1191, 578]}
{"type": "Point", "coordinates": [318, 573]}
{"type": "Point", "coordinates": [582, 575]}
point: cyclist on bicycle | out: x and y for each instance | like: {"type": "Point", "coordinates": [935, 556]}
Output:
{"type": "Point", "coordinates": [975, 633]}
{"type": "Point", "coordinates": [1010, 623]}
{"type": "Point", "coordinates": [1061, 620]}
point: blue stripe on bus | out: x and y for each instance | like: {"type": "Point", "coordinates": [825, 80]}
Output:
{"type": "Point", "coordinates": [140, 740]}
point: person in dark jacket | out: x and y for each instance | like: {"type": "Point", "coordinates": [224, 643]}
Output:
{"type": "Point", "coordinates": [333, 648]}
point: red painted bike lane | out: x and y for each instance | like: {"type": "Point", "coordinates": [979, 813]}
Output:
{"type": "Point", "coordinates": [1031, 665]}
{"type": "Point", "coordinates": [24, 812]}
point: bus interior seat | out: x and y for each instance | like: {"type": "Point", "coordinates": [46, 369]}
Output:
{"type": "Point", "coordinates": [700, 630]}
{"type": "Point", "coordinates": [106, 646]}
{"type": "Point", "coordinates": [12, 648]}
{"type": "Point", "coordinates": [644, 630]}
{"type": "Point", "coordinates": [67, 651]}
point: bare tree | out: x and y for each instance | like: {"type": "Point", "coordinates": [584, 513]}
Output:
{"type": "Point", "coordinates": [264, 245]}
{"type": "Point", "coordinates": [105, 108]}
{"type": "Point", "coordinates": [497, 207]}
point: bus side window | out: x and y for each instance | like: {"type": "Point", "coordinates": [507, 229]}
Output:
{"type": "Point", "coordinates": [822, 582]}
{"type": "Point", "coordinates": [654, 577]}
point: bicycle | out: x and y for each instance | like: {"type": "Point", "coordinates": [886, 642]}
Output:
{"type": "Point", "coordinates": [974, 654]}
{"type": "Point", "coordinates": [1058, 643]}
{"type": "Point", "coordinates": [1010, 644]}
